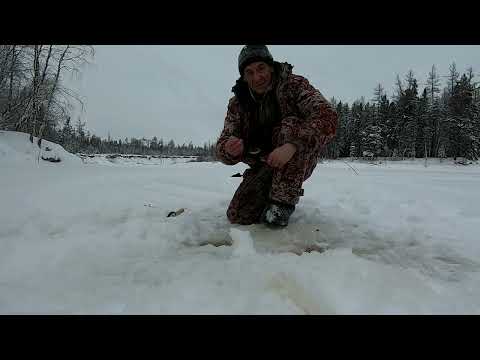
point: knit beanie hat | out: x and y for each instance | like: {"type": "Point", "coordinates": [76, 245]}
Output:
{"type": "Point", "coordinates": [252, 53]}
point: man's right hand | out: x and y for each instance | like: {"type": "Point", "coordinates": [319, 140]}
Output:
{"type": "Point", "coordinates": [234, 146]}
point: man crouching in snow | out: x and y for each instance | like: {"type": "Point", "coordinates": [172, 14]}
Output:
{"type": "Point", "coordinates": [277, 123]}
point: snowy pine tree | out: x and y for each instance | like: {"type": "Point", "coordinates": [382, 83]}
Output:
{"type": "Point", "coordinates": [461, 120]}
{"type": "Point", "coordinates": [355, 128]}
{"type": "Point", "coordinates": [408, 115]}
{"type": "Point", "coordinates": [372, 141]}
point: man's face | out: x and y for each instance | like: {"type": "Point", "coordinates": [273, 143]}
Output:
{"type": "Point", "coordinates": [258, 75]}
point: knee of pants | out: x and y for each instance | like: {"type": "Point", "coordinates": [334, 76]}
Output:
{"type": "Point", "coordinates": [302, 163]}
{"type": "Point", "coordinates": [246, 212]}
{"type": "Point", "coordinates": [236, 217]}
{"type": "Point", "coordinates": [232, 215]}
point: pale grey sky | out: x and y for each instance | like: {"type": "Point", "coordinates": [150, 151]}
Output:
{"type": "Point", "coordinates": [181, 92]}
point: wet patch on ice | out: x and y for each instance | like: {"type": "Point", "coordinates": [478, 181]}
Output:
{"type": "Point", "coordinates": [317, 229]}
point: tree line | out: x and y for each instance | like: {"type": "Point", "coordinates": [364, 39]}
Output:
{"type": "Point", "coordinates": [418, 121]}
{"type": "Point", "coordinates": [77, 139]}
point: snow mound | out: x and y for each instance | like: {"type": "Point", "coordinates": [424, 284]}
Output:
{"type": "Point", "coordinates": [16, 146]}
{"type": "Point", "coordinates": [242, 243]}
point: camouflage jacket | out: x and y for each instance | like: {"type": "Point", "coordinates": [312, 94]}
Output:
{"type": "Point", "coordinates": [307, 119]}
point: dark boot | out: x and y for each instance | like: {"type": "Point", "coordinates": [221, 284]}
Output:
{"type": "Point", "coordinates": [277, 214]}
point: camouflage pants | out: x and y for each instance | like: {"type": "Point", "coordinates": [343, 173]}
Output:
{"type": "Point", "coordinates": [262, 183]}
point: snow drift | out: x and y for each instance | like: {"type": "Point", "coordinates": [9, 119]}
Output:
{"type": "Point", "coordinates": [16, 147]}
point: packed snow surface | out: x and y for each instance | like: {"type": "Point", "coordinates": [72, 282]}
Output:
{"type": "Point", "coordinates": [92, 236]}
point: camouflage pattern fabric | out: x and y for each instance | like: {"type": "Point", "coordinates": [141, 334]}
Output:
{"type": "Point", "coordinates": [307, 120]}
{"type": "Point", "coordinates": [262, 183]}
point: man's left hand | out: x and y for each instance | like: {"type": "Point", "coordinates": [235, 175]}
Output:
{"type": "Point", "coordinates": [281, 155]}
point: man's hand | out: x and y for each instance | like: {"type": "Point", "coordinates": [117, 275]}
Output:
{"type": "Point", "coordinates": [281, 155]}
{"type": "Point", "coordinates": [234, 146]}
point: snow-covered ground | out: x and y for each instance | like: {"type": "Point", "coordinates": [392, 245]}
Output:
{"type": "Point", "coordinates": [85, 238]}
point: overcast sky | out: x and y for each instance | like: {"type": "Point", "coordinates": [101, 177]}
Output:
{"type": "Point", "coordinates": [181, 92]}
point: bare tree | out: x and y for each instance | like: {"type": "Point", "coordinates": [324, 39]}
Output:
{"type": "Point", "coordinates": [470, 74]}
{"type": "Point", "coordinates": [11, 71]}
{"type": "Point", "coordinates": [433, 83]}
{"type": "Point", "coordinates": [452, 77]}
{"type": "Point", "coordinates": [378, 93]}
{"type": "Point", "coordinates": [70, 59]}
{"type": "Point", "coordinates": [410, 78]}
{"type": "Point", "coordinates": [32, 93]}
{"type": "Point", "coordinates": [399, 88]}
